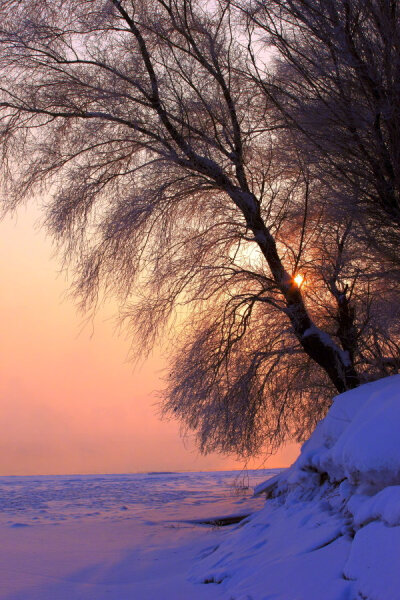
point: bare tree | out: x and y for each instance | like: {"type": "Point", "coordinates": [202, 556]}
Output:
{"type": "Point", "coordinates": [170, 186]}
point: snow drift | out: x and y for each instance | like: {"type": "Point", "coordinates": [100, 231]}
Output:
{"type": "Point", "coordinates": [330, 529]}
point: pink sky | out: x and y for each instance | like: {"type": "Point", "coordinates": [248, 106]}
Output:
{"type": "Point", "coordinates": [70, 400]}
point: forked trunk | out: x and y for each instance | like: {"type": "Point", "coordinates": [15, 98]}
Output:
{"type": "Point", "coordinates": [317, 344]}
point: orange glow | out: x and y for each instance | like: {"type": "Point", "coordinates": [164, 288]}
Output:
{"type": "Point", "coordinates": [299, 280]}
{"type": "Point", "coordinates": [70, 400]}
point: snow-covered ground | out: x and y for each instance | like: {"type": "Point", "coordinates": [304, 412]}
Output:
{"type": "Point", "coordinates": [115, 537]}
{"type": "Point", "coordinates": [329, 530]}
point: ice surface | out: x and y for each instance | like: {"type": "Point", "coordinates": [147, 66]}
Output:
{"type": "Point", "coordinates": [114, 537]}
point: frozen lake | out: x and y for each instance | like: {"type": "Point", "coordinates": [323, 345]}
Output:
{"type": "Point", "coordinates": [115, 537]}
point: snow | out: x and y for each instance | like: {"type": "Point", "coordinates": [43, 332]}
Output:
{"type": "Point", "coordinates": [359, 439]}
{"type": "Point", "coordinates": [329, 529]}
{"type": "Point", "coordinates": [374, 562]}
{"type": "Point", "coordinates": [385, 506]}
{"type": "Point", "coordinates": [326, 340]}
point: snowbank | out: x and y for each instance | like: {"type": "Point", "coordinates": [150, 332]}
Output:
{"type": "Point", "coordinates": [330, 529]}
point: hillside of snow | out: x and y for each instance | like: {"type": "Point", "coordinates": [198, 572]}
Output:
{"type": "Point", "coordinates": [330, 528]}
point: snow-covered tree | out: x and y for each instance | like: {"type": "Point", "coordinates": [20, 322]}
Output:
{"type": "Point", "coordinates": [174, 184]}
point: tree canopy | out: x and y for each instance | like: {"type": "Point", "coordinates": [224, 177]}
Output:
{"type": "Point", "coordinates": [224, 162]}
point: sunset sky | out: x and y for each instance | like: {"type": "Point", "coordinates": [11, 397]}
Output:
{"type": "Point", "coordinates": [70, 400]}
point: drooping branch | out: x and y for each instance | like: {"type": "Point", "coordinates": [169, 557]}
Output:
{"type": "Point", "coordinates": [180, 181]}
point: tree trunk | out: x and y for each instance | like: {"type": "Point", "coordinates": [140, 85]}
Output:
{"type": "Point", "coordinates": [317, 344]}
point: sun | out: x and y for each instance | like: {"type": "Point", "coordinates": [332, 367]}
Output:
{"type": "Point", "coordinates": [299, 280]}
